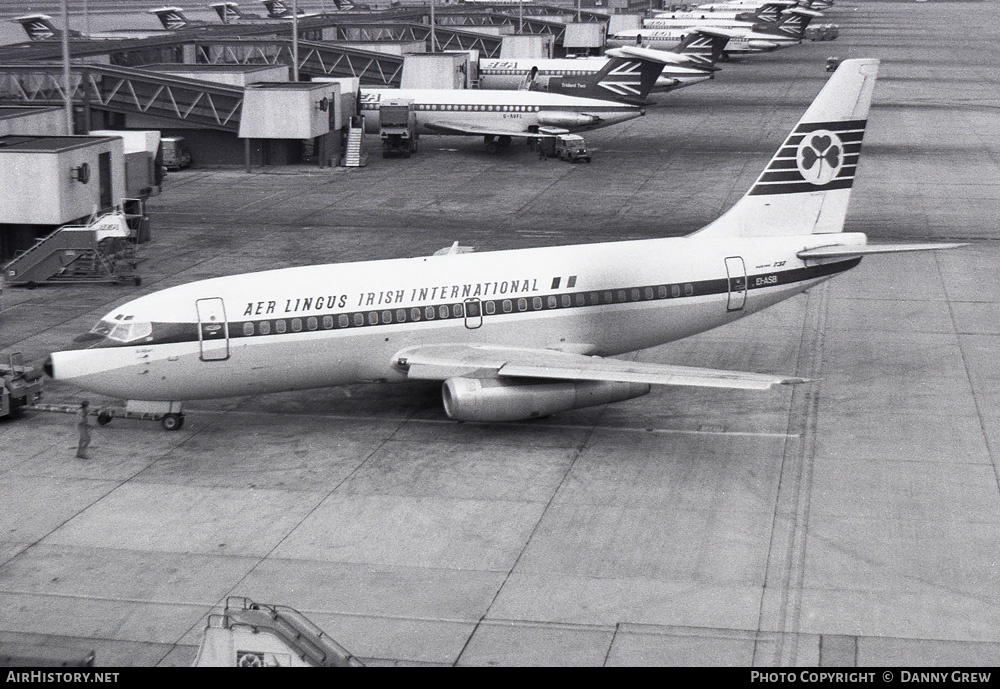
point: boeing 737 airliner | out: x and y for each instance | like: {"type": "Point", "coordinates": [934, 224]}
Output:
{"type": "Point", "coordinates": [511, 334]}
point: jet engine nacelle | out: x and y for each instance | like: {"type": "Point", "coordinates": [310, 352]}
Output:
{"type": "Point", "coordinates": [492, 400]}
{"type": "Point", "coordinates": [757, 44]}
{"type": "Point", "coordinates": [566, 119]}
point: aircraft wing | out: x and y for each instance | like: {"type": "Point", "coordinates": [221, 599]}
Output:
{"type": "Point", "coordinates": [439, 362]}
{"type": "Point", "coordinates": [447, 128]}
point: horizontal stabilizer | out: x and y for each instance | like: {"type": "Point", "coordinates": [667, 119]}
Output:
{"type": "Point", "coordinates": [649, 54]}
{"type": "Point", "coordinates": [841, 251]}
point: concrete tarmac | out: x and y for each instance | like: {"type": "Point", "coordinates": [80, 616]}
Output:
{"type": "Point", "coordinates": [852, 521]}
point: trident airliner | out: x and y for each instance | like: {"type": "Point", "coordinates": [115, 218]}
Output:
{"type": "Point", "coordinates": [510, 334]}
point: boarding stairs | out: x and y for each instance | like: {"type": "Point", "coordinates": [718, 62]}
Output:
{"type": "Point", "coordinates": [249, 634]}
{"type": "Point", "coordinates": [353, 155]}
{"type": "Point", "coordinates": [104, 250]}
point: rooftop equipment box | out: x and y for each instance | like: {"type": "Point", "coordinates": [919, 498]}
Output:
{"type": "Point", "coordinates": [436, 71]}
{"type": "Point", "coordinates": [524, 46]}
{"type": "Point", "coordinates": [584, 35]}
{"type": "Point", "coordinates": [624, 22]}
{"type": "Point", "coordinates": [295, 110]}
{"type": "Point", "coordinates": [18, 119]}
{"type": "Point", "coordinates": [53, 180]}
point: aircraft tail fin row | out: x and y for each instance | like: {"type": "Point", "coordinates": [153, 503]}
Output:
{"type": "Point", "coordinates": [791, 23]}
{"type": "Point", "coordinates": [806, 187]}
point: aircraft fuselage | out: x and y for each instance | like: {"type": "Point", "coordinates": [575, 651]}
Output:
{"type": "Point", "coordinates": [318, 326]}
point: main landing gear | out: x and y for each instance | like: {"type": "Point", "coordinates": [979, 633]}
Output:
{"type": "Point", "coordinates": [495, 143]}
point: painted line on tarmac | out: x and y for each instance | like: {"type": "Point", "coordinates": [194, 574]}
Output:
{"type": "Point", "coordinates": [566, 426]}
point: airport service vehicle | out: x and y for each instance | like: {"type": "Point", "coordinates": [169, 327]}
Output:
{"type": "Point", "coordinates": [398, 128]}
{"type": "Point", "coordinates": [176, 155]}
{"type": "Point", "coordinates": [571, 148]}
{"type": "Point", "coordinates": [20, 385]}
{"type": "Point", "coordinates": [512, 334]}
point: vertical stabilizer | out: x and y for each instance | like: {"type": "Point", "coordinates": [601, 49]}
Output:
{"type": "Point", "coordinates": [806, 187]}
{"type": "Point", "coordinates": [39, 27]}
{"type": "Point", "coordinates": [172, 18]}
{"type": "Point", "coordinates": [623, 79]}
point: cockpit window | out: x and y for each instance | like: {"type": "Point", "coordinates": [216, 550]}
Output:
{"type": "Point", "coordinates": [123, 331]}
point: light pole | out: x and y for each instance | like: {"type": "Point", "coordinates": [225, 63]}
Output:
{"type": "Point", "coordinates": [433, 35]}
{"type": "Point", "coordinates": [65, 57]}
{"type": "Point", "coordinates": [295, 40]}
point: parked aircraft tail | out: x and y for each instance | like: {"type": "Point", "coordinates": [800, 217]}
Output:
{"type": "Point", "coordinates": [770, 12]}
{"type": "Point", "coordinates": [624, 79]}
{"type": "Point", "coordinates": [806, 187]}
{"type": "Point", "coordinates": [172, 18]}
{"type": "Point", "coordinates": [229, 12]}
{"type": "Point", "coordinates": [39, 27]}
{"type": "Point", "coordinates": [276, 9]}
{"type": "Point", "coordinates": [704, 46]}
{"type": "Point", "coordinates": [792, 23]}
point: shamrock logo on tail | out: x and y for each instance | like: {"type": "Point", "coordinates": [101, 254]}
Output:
{"type": "Point", "coordinates": [820, 157]}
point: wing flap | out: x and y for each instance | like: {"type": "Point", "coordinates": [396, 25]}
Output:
{"type": "Point", "coordinates": [439, 362]}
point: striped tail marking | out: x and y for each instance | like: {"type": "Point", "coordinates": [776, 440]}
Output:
{"type": "Point", "coordinates": [815, 157]}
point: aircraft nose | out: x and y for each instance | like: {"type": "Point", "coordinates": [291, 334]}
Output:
{"type": "Point", "coordinates": [47, 367]}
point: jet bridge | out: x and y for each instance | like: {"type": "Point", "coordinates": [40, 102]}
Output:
{"type": "Point", "coordinates": [315, 59]}
{"type": "Point", "coordinates": [124, 90]}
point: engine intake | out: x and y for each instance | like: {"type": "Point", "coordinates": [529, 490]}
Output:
{"type": "Point", "coordinates": [492, 400]}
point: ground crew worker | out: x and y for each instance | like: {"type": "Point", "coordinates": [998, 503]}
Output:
{"type": "Point", "coordinates": [84, 429]}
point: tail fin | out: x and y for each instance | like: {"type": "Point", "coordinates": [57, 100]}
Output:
{"type": "Point", "coordinates": [228, 12]}
{"type": "Point", "coordinates": [704, 46]}
{"type": "Point", "coordinates": [806, 187]}
{"type": "Point", "coordinates": [39, 27]}
{"type": "Point", "coordinates": [768, 12]}
{"type": "Point", "coordinates": [623, 79]}
{"type": "Point", "coordinates": [792, 23]}
{"type": "Point", "coordinates": [172, 18]}
{"type": "Point", "coordinates": [276, 9]}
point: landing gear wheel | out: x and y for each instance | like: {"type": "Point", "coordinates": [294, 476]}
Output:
{"type": "Point", "coordinates": [31, 284]}
{"type": "Point", "coordinates": [104, 418]}
{"type": "Point", "coordinates": [492, 147]}
{"type": "Point", "coordinates": [172, 422]}
{"type": "Point", "coordinates": [137, 281]}
{"type": "Point", "coordinates": [504, 140]}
